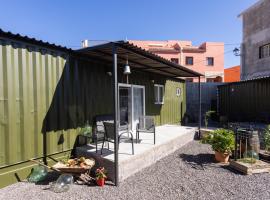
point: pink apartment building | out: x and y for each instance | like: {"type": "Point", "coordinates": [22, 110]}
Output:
{"type": "Point", "coordinates": [208, 58]}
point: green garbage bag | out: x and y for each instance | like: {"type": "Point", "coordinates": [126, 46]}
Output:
{"type": "Point", "coordinates": [38, 173]}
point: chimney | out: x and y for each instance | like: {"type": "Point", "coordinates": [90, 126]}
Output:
{"type": "Point", "coordinates": [84, 43]}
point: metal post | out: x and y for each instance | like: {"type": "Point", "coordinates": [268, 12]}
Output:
{"type": "Point", "coordinates": [115, 101]}
{"type": "Point", "coordinates": [45, 148]}
{"type": "Point", "coordinates": [200, 107]}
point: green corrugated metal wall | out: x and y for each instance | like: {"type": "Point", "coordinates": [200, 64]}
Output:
{"type": "Point", "coordinates": [170, 112]}
{"type": "Point", "coordinates": [46, 89]}
{"type": "Point", "coordinates": [246, 101]}
{"type": "Point", "coordinates": [28, 78]}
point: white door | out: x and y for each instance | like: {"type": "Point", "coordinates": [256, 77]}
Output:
{"type": "Point", "coordinates": [138, 104]}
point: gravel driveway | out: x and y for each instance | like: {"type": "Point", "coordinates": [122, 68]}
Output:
{"type": "Point", "coordinates": [189, 173]}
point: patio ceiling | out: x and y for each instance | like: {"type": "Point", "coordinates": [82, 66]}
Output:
{"type": "Point", "coordinates": [139, 59]}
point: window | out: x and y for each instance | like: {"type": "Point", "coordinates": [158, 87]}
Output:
{"type": "Point", "coordinates": [189, 79]}
{"type": "Point", "coordinates": [264, 51]}
{"type": "Point", "coordinates": [209, 61]}
{"type": "Point", "coordinates": [210, 80]}
{"type": "Point", "coordinates": [159, 94]}
{"type": "Point", "coordinates": [189, 60]}
{"type": "Point", "coordinates": [175, 60]}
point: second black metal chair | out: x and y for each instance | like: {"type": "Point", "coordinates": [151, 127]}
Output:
{"type": "Point", "coordinates": [147, 125]}
{"type": "Point", "coordinates": [110, 137]}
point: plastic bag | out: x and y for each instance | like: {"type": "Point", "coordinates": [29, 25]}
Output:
{"type": "Point", "coordinates": [38, 173]}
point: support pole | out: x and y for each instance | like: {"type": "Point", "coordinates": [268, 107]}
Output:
{"type": "Point", "coordinates": [45, 148]}
{"type": "Point", "coordinates": [200, 107]}
{"type": "Point", "coordinates": [115, 101]}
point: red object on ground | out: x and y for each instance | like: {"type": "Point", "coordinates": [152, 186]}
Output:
{"type": "Point", "coordinates": [100, 182]}
{"type": "Point", "coordinates": [232, 74]}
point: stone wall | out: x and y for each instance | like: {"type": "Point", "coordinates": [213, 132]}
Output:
{"type": "Point", "coordinates": [256, 32]}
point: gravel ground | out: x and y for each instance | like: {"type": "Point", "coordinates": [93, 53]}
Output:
{"type": "Point", "coordinates": [189, 173]}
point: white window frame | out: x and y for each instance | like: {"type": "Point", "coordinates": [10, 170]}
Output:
{"type": "Point", "coordinates": [159, 102]}
{"type": "Point", "coordinates": [265, 51]}
{"type": "Point", "coordinates": [207, 61]}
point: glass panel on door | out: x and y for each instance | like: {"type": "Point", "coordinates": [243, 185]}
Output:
{"type": "Point", "coordinates": [138, 105]}
{"type": "Point", "coordinates": [124, 105]}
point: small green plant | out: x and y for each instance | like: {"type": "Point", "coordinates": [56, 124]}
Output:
{"type": "Point", "coordinates": [267, 138]}
{"type": "Point", "coordinates": [208, 116]}
{"type": "Point", "coordinates": [221, 140]}
{"type": "Point", "coordinates": [86, 129]}
{"type": "Point", "coordinates": [248, 160]}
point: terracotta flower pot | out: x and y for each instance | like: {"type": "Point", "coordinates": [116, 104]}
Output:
{"type": "Point", "coordinates": [100, 182]}
{"type": "Point", "coordinates": [222, 157]}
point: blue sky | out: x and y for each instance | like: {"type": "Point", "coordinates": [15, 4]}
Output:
{"type": "Point", "coordinates": [68, 22]}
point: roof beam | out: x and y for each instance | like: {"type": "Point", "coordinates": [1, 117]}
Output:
{"type": "Point", "coordinates": [136, 63]}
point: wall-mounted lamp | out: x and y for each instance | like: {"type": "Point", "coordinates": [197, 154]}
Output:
{"type": "Point", "coordinates": [236, 51]}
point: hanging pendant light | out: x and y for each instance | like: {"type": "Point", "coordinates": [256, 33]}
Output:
{"type": "Point", "coordinates": [127, 68]}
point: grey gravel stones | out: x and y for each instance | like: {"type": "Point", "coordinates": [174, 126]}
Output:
{"type": "Point", "coordinates": [188, 173]}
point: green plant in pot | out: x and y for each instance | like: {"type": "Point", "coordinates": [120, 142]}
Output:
{"type": "Point", "coordinates": [267, 139]}
{"type": "Point", "coordinates": [101, 175]}
{"type": "Point", "coordinates": [222, 142]}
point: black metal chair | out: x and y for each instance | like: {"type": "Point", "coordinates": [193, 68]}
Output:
{"type": "Point", "coordinates": [109, 135]}
{"type": "Point", "coordinates": [98, 128]}
{"type": "Point", "coordinates": [147, 125]}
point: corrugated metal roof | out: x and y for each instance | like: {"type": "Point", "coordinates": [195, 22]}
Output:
{"type": "Point", "coordinates": [140, 58]}
{"type": "Point", "coordinates": [35, 41]}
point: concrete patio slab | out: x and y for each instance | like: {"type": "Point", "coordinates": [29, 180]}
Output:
{"type": "Point", "coordinates": [169, 138]}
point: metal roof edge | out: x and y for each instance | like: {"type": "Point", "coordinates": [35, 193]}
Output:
{"type": "Point", "coordinates": [35, 41]}
{"type": "Point", "coordinates": [248, 80]}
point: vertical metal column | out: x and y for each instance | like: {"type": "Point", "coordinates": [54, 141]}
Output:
{"type": "Point", "coordinates": [200, 107]}
{"type": "Point", "coordinates": [45, 148]}
{"type": "Point", "coordinates": [115, 101]}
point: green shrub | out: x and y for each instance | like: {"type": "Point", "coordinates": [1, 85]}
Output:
{"type": "Point", "coordinates": [221, 140]}
{"type": "Point", "coordinates": [208, 115]}
{"type": "Point", "coordinates": [267, 138]}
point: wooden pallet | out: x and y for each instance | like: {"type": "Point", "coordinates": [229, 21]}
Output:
{"type": "Point", "coordinates": [264, 155]}
{"type": "Point", "coordinates": [248, 169]}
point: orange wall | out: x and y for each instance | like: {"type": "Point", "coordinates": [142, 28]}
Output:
{"type": "Point", "coordinates": [232, 74]}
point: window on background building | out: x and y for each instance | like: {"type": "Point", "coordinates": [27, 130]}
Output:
{"type": "Point", "coordinates": [189, 60]}
{"type": "Point", "coordinates": [189, 79]}
{"type": "Point", "coordinates": [210, 80]}
{"type": "Point", "coordinates": [209, 61]}
{"type": "Point", "coordinates": [175, 60]}
{"type": "Point", "coordinates": [159, 94]}
{"type": "Point", "coordinates": [264, 51]}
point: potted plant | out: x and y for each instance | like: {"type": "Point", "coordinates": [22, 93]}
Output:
{"type": "Point", "coordinates": [267, 139]}
{"type": "Point", "coordinates": [101, 176]}
{"type": "Point", "coordinates": [222, 142]}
